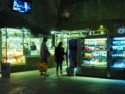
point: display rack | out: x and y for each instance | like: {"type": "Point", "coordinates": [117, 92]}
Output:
{"type": "Point", "coordinates": [117, 52]}
{"type": "Point", "coordinates": [65, 34]}
{"type": "Point", "coordinates": [94, 52]}
{"type": "Point", "coordinates": [26, 42]}
{"type": "Point", "coordinates": [58, 37]}
{"type": "Point", "coordinates": [12, 46]}
{"type": "Point", "coordinates": [94, 56]}
{"type": "Point", "coordinates": [37, 42]}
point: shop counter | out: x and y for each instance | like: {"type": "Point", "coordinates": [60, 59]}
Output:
{"type": "Point", "coordinates": [32, 64]}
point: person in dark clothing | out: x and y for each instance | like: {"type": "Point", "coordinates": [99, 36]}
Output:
{"type": "Point", "coordinates": [59, 57]}
{"type": "Point", "coordinates": [33, 46]}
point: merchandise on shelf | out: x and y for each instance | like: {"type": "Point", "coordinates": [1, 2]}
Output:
{"type": "Point", "coordinates": [16, 45]}
{"type": "Point", "coordinates": [117, 52]}
{"type": "Point", "coordinates": [94, 52]}
{"type": "Point", "coordinates": [12, 46]}
{"type": "Point", "coordinates": [65, 34]}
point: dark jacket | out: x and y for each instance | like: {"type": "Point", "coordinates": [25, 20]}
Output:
{"type": "Point", "coordinates": [33, 47]}
{"type": "Point", "coordinates": [59, 54]}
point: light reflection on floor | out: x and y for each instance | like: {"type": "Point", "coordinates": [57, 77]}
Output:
{"type": "Point", "coordinates": [31, 82]}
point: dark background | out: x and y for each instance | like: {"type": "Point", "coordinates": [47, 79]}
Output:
{"type": "Point", "coordinates": [48, 15]}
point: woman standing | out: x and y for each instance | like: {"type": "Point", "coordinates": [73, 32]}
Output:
{"type": "Point", "coordinates": [44, 54]}
{"type": "Point", "coordinates": [59, 57]}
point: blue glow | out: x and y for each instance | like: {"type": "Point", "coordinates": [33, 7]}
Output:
{"type": "Point", "coordinates": [20, 6]}
{"type": "Point", "coordinates": [119, 65]}
{"type": "Point", "coordinates": [118, 42]}
{"type": "Point", "coordinates": [119, 38]}
{"type": "Point", "coordinates": [121, 30]}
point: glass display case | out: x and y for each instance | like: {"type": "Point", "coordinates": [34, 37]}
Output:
{"type": "Point", "coordinates": [72, 52]}
{"type": "Point", "coordinates": [65, 34]}
{"type": "Point", "coordinates": [37, 42]}
{"type": "Point", "coordinates": [26, 42]}
{"type": "Point", "coordinates": [12, 46]}
{"type": "Point", "coordinates": [99, 32]}
{"type": "Point", "coordinates": [50, 46]}
{"type": "Point", "coordinates": [117, 52]}
{"type": "Point", "coordinates": [17, 50]}
{"type": "Point", "coordinates": [58, 37]}
{"type": "Point", "coordinates": [94, 52]}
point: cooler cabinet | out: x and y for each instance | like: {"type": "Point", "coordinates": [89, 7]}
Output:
{"type": "Point", "coordinates": [72, 55]}
{"type": "Point", "coordinates": [117, 56]}
{"type": "Point", "coordinates": [94, 61]}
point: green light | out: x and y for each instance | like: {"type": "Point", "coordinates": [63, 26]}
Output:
{"type": "Point", "coordinates": [52, 32]}
{"type": "Point", "coordinates": [101, 27]}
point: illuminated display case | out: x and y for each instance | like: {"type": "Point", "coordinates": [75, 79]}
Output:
{"type": "Point", "coordinates": [26, 42]}
{"type": "Point", "coordinates": [100, 56]}
{"type": "Point", "coordinates": [65, 34]}
{"type": "Point", "coordinates": [58, 38]}
{"type": "Point", "coordinates": [94, 52]}
{"type": "Point", "coordinates": [37, 42]}
{"type": "Point", "coordinates": [51, 48]}
{"type": "Point", "coordinates": [117, 52]}
{"type": "Point", "coordinates": [17, 50]}
{"type": "Point", "coordinates": [12, 46]}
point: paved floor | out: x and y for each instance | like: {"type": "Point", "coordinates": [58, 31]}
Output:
{"type": "Point", "coordinates": [31, 82]}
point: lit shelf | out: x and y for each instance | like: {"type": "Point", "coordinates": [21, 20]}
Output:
{"type": "Point", "coordinates": [94, 57]}
{"type": "Point", "coordinates": [117, 58]}
{"type": "Point", "coordinates": [94, 45]}
{"type": "Point", "coordinates": [117, 50]}
{"type": "Point", "coordinates": [95, 65]}
{"type": "Point", "coordinates": [92, 50]}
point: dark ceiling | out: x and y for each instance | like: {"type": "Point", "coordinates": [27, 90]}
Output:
{"type": "Point", "coordinates": [47, 15]}
{"type": "Point", "coordinates": [41, 20]}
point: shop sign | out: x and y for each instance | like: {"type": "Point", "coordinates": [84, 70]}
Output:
{"type": "Point", "coordinates": [121, 30]}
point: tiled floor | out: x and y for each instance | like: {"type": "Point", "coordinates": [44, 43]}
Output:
{"type": "Point", "coordinates": [31, 82]}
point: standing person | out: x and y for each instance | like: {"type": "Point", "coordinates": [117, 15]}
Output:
{"type": "Point", "coordinates": [59, 57]}
{"type": "Point", "coordinates": [33, 46]}
{"type": "Point", "coordinates": [44, 53]}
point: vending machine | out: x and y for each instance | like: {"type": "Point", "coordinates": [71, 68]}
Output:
{"type": "Point", "coordinates": [73, 55]}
